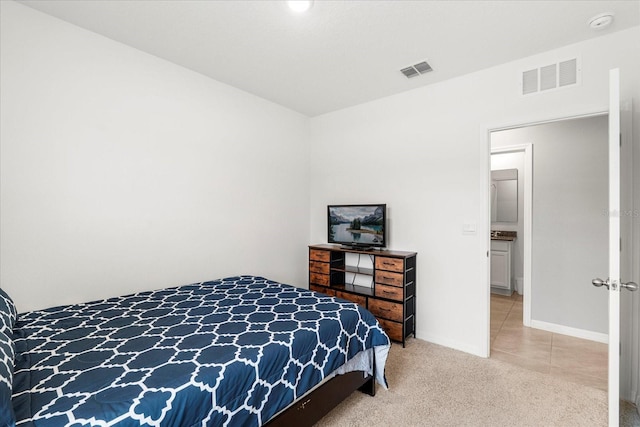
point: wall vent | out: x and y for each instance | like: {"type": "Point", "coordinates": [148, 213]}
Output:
{"type": "Point", "coordinates": [416, 70]}
{"type": "Point", "coordinates": [568, 72]}
{"type": "Point", "coordinates": [550, 77]}
{"type": "Point", "coordinates": [530, 81]}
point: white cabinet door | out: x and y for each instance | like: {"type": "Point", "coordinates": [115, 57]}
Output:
{"type": "Point", "coordinates": [500, 273]}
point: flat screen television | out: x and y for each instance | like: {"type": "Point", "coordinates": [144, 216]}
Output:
{"type": "Point", "coordinates": [363, 226]}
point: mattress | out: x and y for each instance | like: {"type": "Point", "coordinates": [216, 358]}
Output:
{"type": "Point", "coordinates": [234, 351]}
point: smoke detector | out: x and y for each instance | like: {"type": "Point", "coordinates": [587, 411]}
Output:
{"type": "Point", "coordinates": [601, 21]}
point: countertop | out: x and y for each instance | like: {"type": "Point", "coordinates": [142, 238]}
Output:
{"type": "Point", "coordinates": [509, 236]}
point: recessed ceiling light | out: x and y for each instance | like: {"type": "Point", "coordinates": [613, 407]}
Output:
{"type": "Point", "coordinates": [601, 21]}
{"type": "Point", "coordinates": [300, 5]}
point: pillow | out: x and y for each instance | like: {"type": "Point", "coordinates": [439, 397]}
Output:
{"type": "Point", "coordinates": [7, 356]}
{"type": "Point", "coordinates": [8, 313]}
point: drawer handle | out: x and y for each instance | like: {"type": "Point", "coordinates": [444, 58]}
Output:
{"type": "Point", "coordinates": [384, 291]}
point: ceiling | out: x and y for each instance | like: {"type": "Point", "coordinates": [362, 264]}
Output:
{"type": "Point", "coordinates": [339, 53]}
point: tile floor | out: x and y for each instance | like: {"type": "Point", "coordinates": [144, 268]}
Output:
{"type": "Point", "coordinates": [577, 360]}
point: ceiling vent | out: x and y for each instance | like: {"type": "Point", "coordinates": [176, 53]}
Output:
{"type": "Point", "coordinates": [549, 77]}
{"type": "Point", "coordinates": [417, 69]}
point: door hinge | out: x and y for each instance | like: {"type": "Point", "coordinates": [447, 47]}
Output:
{"type": "Point", "coordinates": [620, 139]}
{"type": "Point", "coordinates": [621, 244]}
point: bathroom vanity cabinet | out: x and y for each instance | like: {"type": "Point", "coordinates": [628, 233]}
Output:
{"type": "Point", "coordinates": [501, 267]}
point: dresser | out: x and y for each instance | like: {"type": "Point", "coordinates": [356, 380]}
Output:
{"type": "Point", "coordinates": [382, 281]}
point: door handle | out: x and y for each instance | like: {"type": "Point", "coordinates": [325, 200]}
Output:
{"type": "Point", "coordinates": [599, 282]}
{"type": "Point", "coordinates": [632, 286]}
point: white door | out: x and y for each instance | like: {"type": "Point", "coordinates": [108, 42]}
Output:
{"type": "Point", "coordinates": [613, 284]}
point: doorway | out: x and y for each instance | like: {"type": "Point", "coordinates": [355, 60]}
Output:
{"type": "Point", "coordinates": [552, 328]}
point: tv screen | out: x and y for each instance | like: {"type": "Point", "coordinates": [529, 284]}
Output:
{"type": "Point", "coordinates": [357, 225]}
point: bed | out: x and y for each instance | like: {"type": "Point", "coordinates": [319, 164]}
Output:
{"type": "Point", "coordinates": [240, 351]}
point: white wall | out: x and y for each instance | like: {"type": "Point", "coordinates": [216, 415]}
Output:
{"type": "Point", "coordinates": [513, 160]}
{"type": "Point", "coordinates": [123, 172]}
{"type": "Point", "coordinates": [570, 221]}
{"type": "Point", "coordinates": [425, 153]}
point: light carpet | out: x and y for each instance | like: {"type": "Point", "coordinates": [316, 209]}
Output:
{"type": "Point", "coordinates": [438, 386]}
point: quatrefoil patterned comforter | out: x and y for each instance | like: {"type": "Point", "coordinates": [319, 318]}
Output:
{"type": "Point", "coordinates": [231, 352]}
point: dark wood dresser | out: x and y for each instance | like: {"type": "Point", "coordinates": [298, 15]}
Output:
{"type": "Point", "coordinates": [382, 281]}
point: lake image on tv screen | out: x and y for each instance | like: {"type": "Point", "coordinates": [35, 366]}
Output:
{"type": "Point", "coordinates": [356, 224]}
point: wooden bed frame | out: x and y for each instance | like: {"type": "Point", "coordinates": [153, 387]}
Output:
{"type": "Point", "coordinates": [313, 406]}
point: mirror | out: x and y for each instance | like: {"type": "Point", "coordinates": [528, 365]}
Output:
{"type": "Point", "coordinates": [504, 195]}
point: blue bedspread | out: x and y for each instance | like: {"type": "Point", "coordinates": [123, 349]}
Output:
{"type": "Point", "coordinates": [227, 352]}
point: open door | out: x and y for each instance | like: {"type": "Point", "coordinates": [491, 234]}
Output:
{"type": "Point", "coordinates": [614, 284]}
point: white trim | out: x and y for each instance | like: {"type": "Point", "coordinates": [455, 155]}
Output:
{"type": "Point", "coordinates": [572, 332]}
{"type": "Point", "coordinates": [527, 148]}
{"type": "Point", "coordinates": [578, 114]}
{"type": "Point", "coordinates": [635, 355]}
{"type": "Point", "coordinates": [484, 228]}
{"type": "Point", "coordinates": [454, 344]}
{"type": "Point", "coordinates": [613, 387]}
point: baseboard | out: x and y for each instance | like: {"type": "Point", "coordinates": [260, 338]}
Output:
{"type": "Point", "coordinates": [445, 342]}
{"type": "Point", "coordinates": [573, 332]}
{"type": "Point", "coordinates": [550, 327]}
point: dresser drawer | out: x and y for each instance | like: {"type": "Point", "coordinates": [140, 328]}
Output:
{"type": "Point", "coordinates": [385, 309]}
{"type": "Point", "coordinates": [389, 278]}
{"type": "Point", "coordinates": [322, 289]}
{"type": "Point", "coordinates": [318, 267]}
{"type": "Point", "coordinates": [319, 279]}
{"type": "Point", "coordinates": [393, 329]}
{"type": "Point", "coordinates": [390, 292]}
{"type": "Point", "coordinates": [390, 264]}
{"type": "Point", "coordinates": [358, 299]}
{"type": "Point", "coordinates": [318, 255]}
